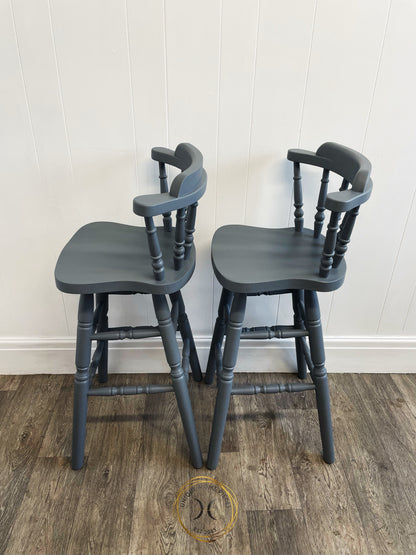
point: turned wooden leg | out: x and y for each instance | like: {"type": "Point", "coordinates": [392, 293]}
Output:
{"type": "Point", "coordinates": [225, 379]}
{"type": "Point", "coordinates": [297, 298]}
{"type": "Point", "coordinates": [186, 333]}
{"type": "Point", "coordinates": [179, 381]}
{"type": "Point", "coordinates": [81, 386]}
{"type": "Point", "coordinates": [218, 335]}
{"type": "Point", "coordinates": [319, 375]}
{"type": "Point", "coordinates": [103, 326]}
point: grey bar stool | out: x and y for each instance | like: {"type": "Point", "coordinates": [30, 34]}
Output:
{"type": "Point", "coordinates": [105, 258]}
{"type": "Point", "coordinates": [298, 261]}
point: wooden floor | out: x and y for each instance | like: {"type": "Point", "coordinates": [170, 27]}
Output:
{"type": "Point", "coordinates": [289, 500]}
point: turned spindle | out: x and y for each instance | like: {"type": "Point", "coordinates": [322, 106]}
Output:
{"type": "Point", "coordinates": [329, 245]}
{"type": "Point", "coordinates": [190, 228]}
{"type": "Point", "coordinates": [344, 185]}
{"type": "Point", "coordinates": [164, 188]}
{"type": "Point", "coordinates": [297, 195]}
{"type": "Point", "coordinates": [154, 248]}
{"type": "Point", "coordinates": [344, 235]}
{"type": "Point", "coordinates": [320, 207]}
{"type": "Point", "coordinates": [179, 248]}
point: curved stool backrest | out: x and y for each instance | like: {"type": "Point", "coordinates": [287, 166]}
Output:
{"type": "Point", "coordinates": [356, 188]}
{"type": "Point", "coordinates": [186, 189]}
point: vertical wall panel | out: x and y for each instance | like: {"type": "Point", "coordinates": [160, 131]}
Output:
{"type": "Point", "coordinates": [237, 70]}
{"type": "Point", "coordinates": [146, 33]}
{"type": "Point", "coordinates": [345, 53]}
{"type": "Point", "coordinates": [34, 157]}
{"type": "Point", "coordinates": [238, 57]}
{"type": "Point", "coordinates": [92, 46]}
{"type": "Point", "coordinates": [92, 52]}
{"type": "Point", "coordinates": [282, 60]}
{"type": "Point", "coordinates": [193, 38]}
{"type": "Point", "coordinates": [389, 144]}
{"type": "Point", "coordinates": [147, 60]}
{"type": "Point", "coordinates": [342, 74]}
{"type": "Point", "coordinates": [391, 141]}
{"type": "Point", "coordinates": [396, 316]}
{"type": "Point", "coordinates": [344, 58]}
{"type": "Point", "coordinates": [409, 327]}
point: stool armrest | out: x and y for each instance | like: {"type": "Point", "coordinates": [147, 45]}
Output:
{"type": "Point", "coordinates": [166, 156]}
{"type": "Point", "coordinates": [343, 201]}
{"type": "Point", "coordinates": [156, 204]}
{"type": "Point", "coordinates": [160, 203]}
{"type": "Point", "coordinates": [307, 157]}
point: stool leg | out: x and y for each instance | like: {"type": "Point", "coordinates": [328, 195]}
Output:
{"type": "Point", "coordinates": [225, 379]}
{"type": "Point", "coordinates": [218, 335]}
{"type": "Point", "coordinates": [186, 333]}
{"type": "Point", "coordinates": [319, 374]}
{"type": "Point", "coordinates": [103, 326]}
{"type": "Point", "coordinates": [297, 298]}
{"type": "Point", "coordinates": [179, 381]}
{"type": "Point", "coordinates": [81, 386]}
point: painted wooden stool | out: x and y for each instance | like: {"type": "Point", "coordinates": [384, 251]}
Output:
{"type": "Point", "coordinates": [297, 261]}
{"type": "Point", "coordinates": [105, 258]}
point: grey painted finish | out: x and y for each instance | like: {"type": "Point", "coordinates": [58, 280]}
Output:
{"type": "Point", "coordinates": [186, 334]}
{"type": "Point", "coordinates": [327, 257]}
{"type": "Point", "coordinates": [253, 260]}
{"type": "Point", "coordinates": [95, 361]}
{"type": "Point", "coordinates": [190, 228]}
{"type": "Point", "coordinates": [102, 327]}
{"type": "Point", "coordinates": [318, 374]}
{"type": "Point", "coordinates": [81, 385]}
{"type": "Point", "coordinates": [129, 390]}
{"type": "Point", "coordinates": [164, 188]}
{"type": "Point", "coordinates": [297, 196]}
{"type": "Point", "coordinates": [349, 164]}
{"type": "Point", "coordinates": [250, 259]}
{"type": "Point", "coordinates": [249, 389]}
{"type": "Point", "coordinates": [187, 187]}
{"type": "Point", "coordinates": [314, 358]}
{"type": "Point", "coordinates": [179, 248]}
{"type": "Point", "coordinates": [270, 332]}
{"type": "Point", "coordinates": [258, 261]}
{"type": "Point", "coordinates": [344, 161]}
{"type": "Point", "coordinates": [105, 258]}
{"type": "Point", "coordinates": [320, 207]}
{"type": "Point", "coordinates": [225, 378]}
{"type": "Point", "coordinates": [109, 257]}
{"type": "Point", "coordinates": [218, 335]}
{"type": "Point", "coordinates": [179, 381]}
{"type": "Point", "coordinates": [154, 249]}
{"type": "Point", "coordinates": [298, 321]}
{"type": "Point", "coordinates": [126, 332]}
{"type": "Point", "coordinates": [344, 235]}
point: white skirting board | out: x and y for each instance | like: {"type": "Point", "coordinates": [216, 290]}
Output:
{"type": "Point", "coordinates": [344, 354]}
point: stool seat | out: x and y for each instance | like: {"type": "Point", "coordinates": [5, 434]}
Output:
{"type": "Point", "coordinates": [106, 257]}
{"type": "Point", "coordinates": [252, 260]}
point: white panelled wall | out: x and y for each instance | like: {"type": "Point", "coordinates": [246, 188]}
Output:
{"type": "Point", "coordinates": [89, 86]}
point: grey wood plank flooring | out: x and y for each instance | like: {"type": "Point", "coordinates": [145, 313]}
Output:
{"type": "Point", "coordinates": [290, 501]}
